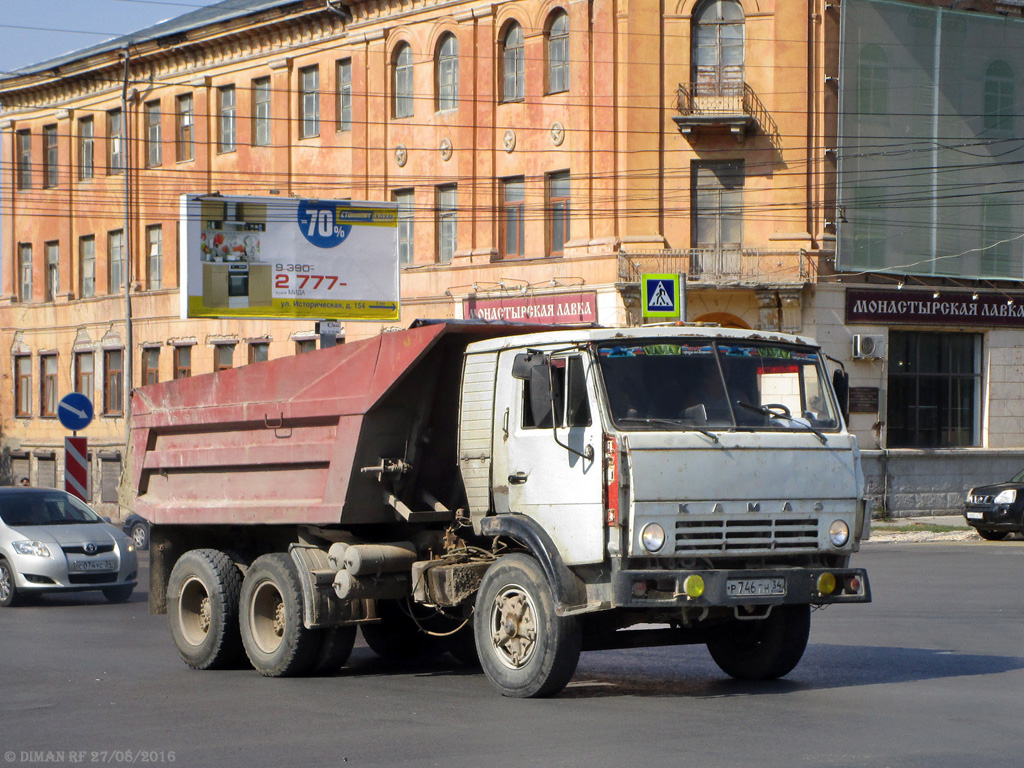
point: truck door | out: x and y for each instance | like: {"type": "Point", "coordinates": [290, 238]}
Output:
{"type": "Point", "coordinates": [558, 485]}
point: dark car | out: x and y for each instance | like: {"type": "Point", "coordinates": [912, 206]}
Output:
{"type": "Point", "coordinates": [997, 510]}
{"type": "Point", "coordinates": [137, 527]}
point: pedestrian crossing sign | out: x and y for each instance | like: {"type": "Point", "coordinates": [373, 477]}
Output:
{"type": "Point", "coordinates": [661, 295]}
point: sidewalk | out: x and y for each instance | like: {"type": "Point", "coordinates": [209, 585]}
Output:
{"type": "Point", "coordinates": [914, 529]}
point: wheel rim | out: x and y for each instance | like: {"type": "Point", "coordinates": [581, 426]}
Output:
{"type": "Point", "coordinates": [514, 626]}
{"type": "Point", "coordinates": [195, 613]}
{"type": "Point", "coordinates": [267, 617]}
{"type": "Point", "coordinates": [138, 536]}
{"type": "Point", "coordinates": [6, 582]}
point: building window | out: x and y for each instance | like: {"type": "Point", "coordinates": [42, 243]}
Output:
{"type": "Point", "coordinates": [227, 118]}
{"type": "Point", "coordinates": [110, 478]}
{"type": "Point", "coordinates": [115, 259]}
{"type": "Point", "coordinates": [448, 73]}
{"type": "Point", "coordinates": [113, 381]}
{"type": "Point", "coordinates": [1000, 93]}
{"type": "Point", "coordinates": [447, 222]}
{"type": "Point", "coordinates": [24, 160]}
{"type": "Point", "coordinates": [934, 389]}
{"type": "Point", "coordinates": [150, 365]}
{"type": "Point", "coordinates": [403, 81]}
{"type": "Point", "coordinates": [869, 238]}
{"type": "Point", "coordinates": [115, 142]}
{"type": "Point", "coordinates": [182, 362]}
{"type": "Point", "coordinates": [86, 146]}
{"type": "Point", "coordinates": [259, 352]}
{"type": "Point", "coordinates": [872, 83]}
{"type": "Point", "coordinates": [309, 83]}
{"type": "Point", "coordinates": [718, 41]}
{"type": "Point", "coordinates": [24, 272]}
{"type": "Point", "coordinates": [345, 95]}
{"type": "Point", "coordinates": [404, 198]}
{"type": "Point", "coordinates": [52, 270]}
{"type": "Point", "coordinates": [48, 386]}
{"type": "Point", "coordinates": [186, 121]}
{"type": "Point", "coordinates": [155, 257]}
{"type": "Point", "coordinates": [514, 81]}
{"type": "Point", "coordinates": [558, 53]}
{"type": "Point", "coordinates": [223, 355]}
{"type": "Point", "coordinates": [558, 207]}
{"type": "Point", "coordinates": [513, 222]}
{"type": "Point", "coordinates": [261, 111]}
{"type": "Point", "coordinates": [302, 346]}
{"type": "Point", "coordinates": [154, 135]}
{"type": "Point", "coordinates": [87, 265]}
{"type": "Point", "coordinates": [51, 157]}
{"type": "Point", "coordinates": [23, 385]}
{"type": "Point", "coordinates": [85, 381]}
{"type": "Point", "coordinates": [718, 203]}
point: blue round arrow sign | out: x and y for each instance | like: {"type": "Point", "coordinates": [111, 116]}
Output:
{"type": "Point", "coordinates": [75, 411]}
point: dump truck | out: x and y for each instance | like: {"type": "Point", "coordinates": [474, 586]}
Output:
{"type": "Point", "coordinates": [511, 494]}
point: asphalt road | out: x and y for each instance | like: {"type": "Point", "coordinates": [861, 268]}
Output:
{"type": "Point", "coordinates": [930, 674]}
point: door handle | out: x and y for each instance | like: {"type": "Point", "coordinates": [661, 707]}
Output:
{"type": "Point", "coordinates": [518, 478]}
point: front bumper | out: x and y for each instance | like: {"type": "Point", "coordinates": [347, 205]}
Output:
{"type": "Point", "coordinates": [992, 517]}
{"type": "Point", "coordinates": [666, 589]}
{"type": "Point", "coordinates": [62, 572]}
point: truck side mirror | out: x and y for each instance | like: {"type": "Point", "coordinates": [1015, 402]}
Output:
{"type": "Point", "coordinates": [524, 364]}
{"type": "Point", "coordinates": [841, 385]}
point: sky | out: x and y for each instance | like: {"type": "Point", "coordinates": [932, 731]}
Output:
{"type": "Point", "coordinates": [32, 31]}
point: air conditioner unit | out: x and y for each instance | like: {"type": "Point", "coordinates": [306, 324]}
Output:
{"type": "Point", "coordinates": [868, 347]}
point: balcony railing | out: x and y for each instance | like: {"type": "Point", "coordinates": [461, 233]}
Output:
{"type": "Point", "coordinates": [727, 103]}
{"type": "Point", "coordinates": [738, 266]}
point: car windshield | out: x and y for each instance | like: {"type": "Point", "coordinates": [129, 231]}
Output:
{"type": "Point", "coordinates": [1018, 478]}
{"type": "Point", "coordinates": [706, 385]}
{"type": "Point", "coordinates": [45, 509]}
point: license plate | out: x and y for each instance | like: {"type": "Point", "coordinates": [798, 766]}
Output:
{"type": "Point", "coordinates": [975, 515]}
{"type": "Point", "coordinates": [95, 565]}
{"type": "Point", "coordinates": [755, 587]}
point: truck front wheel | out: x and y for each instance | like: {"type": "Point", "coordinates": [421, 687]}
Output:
{"type": "Point", "coordinates": [526, 649]}
{"type": "Point", "coordinates": [202, 606]}
{"type": "Point", "coordinates": [275, 640]}
{"type": "Point", "coordinates": [764, 649]}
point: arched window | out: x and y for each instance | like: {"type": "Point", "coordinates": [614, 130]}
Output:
{"type": "Point", "coordinates": [718, 36]}
{"type": "Point", "coordinates": [403, 81]}
{"type": "Point", "coordinates": [1000, 93]}
{"type": "Point", "coordinates": [873, 83]}
{"type": "Point", "coordinates": [448, 73]}
{"type": "Point", "coordinates": [558, 52]}
{"type": "Point", "coordinates": [514, 84]}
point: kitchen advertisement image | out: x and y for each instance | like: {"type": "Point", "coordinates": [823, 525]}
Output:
{"type": "Point", "coordinates": [288, 258]}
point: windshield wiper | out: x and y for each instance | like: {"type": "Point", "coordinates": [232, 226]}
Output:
{"type": "Point", "coordinates": [781, 412]}
{"type": "Point", "coordinates": [669, 423]}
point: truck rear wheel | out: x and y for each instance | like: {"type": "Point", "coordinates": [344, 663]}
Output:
{"type": "Point", "coordinates": [275, 640]}
{"type": "Point", "coordinates": [526, 649]}
{"type": "Point", "coordinates": [335, 647]}
{"type": "Point", "coordinates": [764, 649]}
{"type": "Point", "coordinates": [202, 606]}
{"type": "Point", "coordinates": [396, 637]}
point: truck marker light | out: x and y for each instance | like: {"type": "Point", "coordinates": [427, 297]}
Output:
{"type": "Point", "coordinates": [652, 537]}
{"type": "Point", "coordinates": [852, 585]}
{"type": "Point", "coordinates": [827, 583]}
{"type": "Point", "coordinates": [611, 480]}
{"type": "Point", "coordinates": [693, 586]}
{"type": "Point", "coordinates": [639, 589]}
{"type": "Point", "coordinates": [839, 533]}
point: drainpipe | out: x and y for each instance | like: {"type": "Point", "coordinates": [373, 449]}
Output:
{"type": "Point", "coordinates": [126, 155]}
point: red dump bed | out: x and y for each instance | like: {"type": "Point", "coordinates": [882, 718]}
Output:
{"type": "Point", "coordinates": [283, 441]}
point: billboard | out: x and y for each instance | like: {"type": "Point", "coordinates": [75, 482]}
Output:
{"type": "Point", "coordinates": [289, 258]}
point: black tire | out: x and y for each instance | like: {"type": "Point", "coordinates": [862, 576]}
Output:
{"type": "Point", "coordinates": [140, 535]}
{"type": "Point", "coordinates": [335, 648]}
{"type": "Point", "coordinates": [462, 645]}
{"type": "Point", "coordinates": [270, 619]}
{"type": "Point", "coordinates": [396, 637]}
{"type": "Point", "coordinates": [993, 535]}
{"type": "Point", "coordinates": [118, 594]}
{"type": "Point", "coordinates": [9, 595]}
{"type": "Point", "coordinates": [202, 606]}
{"type": "Point", "coordinates": [525, 649]}
{"type": "Point", "coordinates": [763, 649]}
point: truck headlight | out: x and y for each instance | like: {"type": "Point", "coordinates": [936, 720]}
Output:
{"type": "Point", "coordinates": [1006, 497]}
{"type": "Point", "coordinates": [652, 537]}
{"type": "Point", "coordinates": [36, 548]}
{"type": "Point", "coordinates": [839, 533]}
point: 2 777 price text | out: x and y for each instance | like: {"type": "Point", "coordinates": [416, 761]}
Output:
{"type": "Point", "coordinates": [301, 282]}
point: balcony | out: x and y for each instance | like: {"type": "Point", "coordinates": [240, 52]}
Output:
{"type": "Point", "coordinates": [722, 105]}
{"type": "Point", "coordinates": [749, 267]}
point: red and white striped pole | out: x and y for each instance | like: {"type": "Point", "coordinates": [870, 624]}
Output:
{"type": "Point", "coordinates": [76, 466]}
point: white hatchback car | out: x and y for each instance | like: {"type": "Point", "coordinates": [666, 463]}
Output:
{"type": "Point", "coordinates": [51, 541]}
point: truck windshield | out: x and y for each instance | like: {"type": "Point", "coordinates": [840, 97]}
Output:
{"type": "Point", "coordinates": [705, 385]}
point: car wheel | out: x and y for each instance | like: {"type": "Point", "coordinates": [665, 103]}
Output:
{"type": "Point", "coordinates": [763, 649]}
{"type": "Point", "coordinates": [275, 640]}
{"type": "Point", "coordinates": [118, 594]}
{"type": "Point", "coordinates": [8, 592]}
{"type": "Point", "coordinates": [202, 605]}
{"type": "Point", "coordinates": [992, 535]}
{"type": "Point", "coordinates": [526, 649]}
{"type": "Point", "coordinates": [140, 535]}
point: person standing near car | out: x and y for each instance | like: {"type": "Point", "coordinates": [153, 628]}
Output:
{"type": "Point", "coordinates": [24, 481]}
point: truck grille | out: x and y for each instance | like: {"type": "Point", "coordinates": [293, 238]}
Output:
{"type": "Point", "coordinates": [785, 534]}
